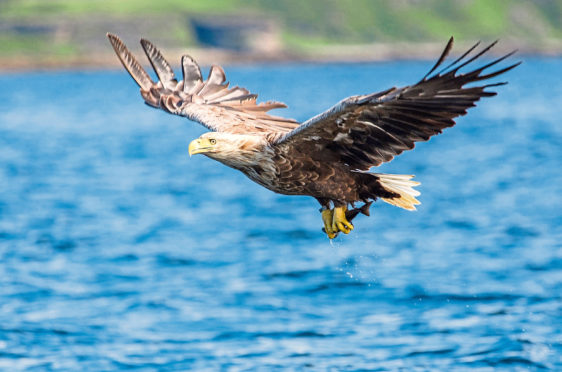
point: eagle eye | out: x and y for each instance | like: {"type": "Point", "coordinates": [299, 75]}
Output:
{"type": "Point", "coordinates": [213, 141]}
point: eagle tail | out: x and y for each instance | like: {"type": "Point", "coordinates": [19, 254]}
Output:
{"type": "Point", "coordinates": [402, 185]}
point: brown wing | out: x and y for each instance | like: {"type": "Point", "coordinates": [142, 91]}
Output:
{"type": "Point", "coordinates": [211, 102]}
{"type": "Point", "coordinates": [365, 131]}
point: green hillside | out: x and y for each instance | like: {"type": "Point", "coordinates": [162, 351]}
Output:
{"type": "Point", "coordinates": [302, 24]}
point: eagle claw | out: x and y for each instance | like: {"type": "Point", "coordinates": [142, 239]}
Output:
{"type": "Point", "coordinates": [335, 221]}
{"type": "Point", "coordinates": [327, 218]}
{"type": "Point", "coordinates": [340, 222]}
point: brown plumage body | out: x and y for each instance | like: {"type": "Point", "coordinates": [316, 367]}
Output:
{"type": "Point", "coordinates": [279, 169]}
{"type": "Point", "coordinates": [323, 180]}
{"type": "Point", "coordinates": [328, 156]}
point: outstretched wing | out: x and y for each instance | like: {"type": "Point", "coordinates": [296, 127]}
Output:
{"type": "Point", "coordinates": [365, 131]}
{"type": "Point", "coordinates": [211, 102]}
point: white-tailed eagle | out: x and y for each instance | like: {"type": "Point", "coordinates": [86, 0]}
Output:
{"type": "Point", "coordinates": [328, 156]}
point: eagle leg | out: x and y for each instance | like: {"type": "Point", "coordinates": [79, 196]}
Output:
{"type": "Point", "coordinates": [339, 222]}
{"type": "Point", "coordinates": [327, 218]}
{"type": "Point", "coordinates": [350, 214]}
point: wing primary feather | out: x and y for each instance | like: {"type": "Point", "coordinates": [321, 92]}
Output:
{"type": "Point", "coordinates": [496, 73]}
{"type": "Point", "coordinates": [475, 75]}
{"type": "Point", "coordinates": [494, 85]}
{"type": "Point", "coordinates": [216, 75]}
{"type": "Point", "coordinates": [483, 51]}
{"type": "Point", "coordinates": [191, 73]}
{"type": "Point", "coordinates": [459, 59]}
{"type": "Point", "coordinates": [133, 67]}
{"type": "Point", "coordinates": [481, 69]}
{"type": "Point", "coordinates": [442, 57]}
{"type": "Point", "coordinates": [160, 65]}
{"type": "Point", "coordinates": [214, 81]}
{"type": "Point", "coordinates": [498, 60]}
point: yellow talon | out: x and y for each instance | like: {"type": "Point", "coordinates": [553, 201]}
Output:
{"type": "Point", "coordinates": [327, 217]}
{"type": "Point", "coordinates": [339, 222]}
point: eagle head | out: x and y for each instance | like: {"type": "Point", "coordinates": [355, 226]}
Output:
{"type": "Point", "coordinates": [234, 150]}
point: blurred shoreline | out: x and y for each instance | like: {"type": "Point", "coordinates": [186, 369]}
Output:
{"type": "Point", "coordinates": [360, 53]}
{"type": "Point", "coordinates": [70, 34]}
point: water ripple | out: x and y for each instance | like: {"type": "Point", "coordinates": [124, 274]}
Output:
{"type": "Point", "coordinates": [118, 251]}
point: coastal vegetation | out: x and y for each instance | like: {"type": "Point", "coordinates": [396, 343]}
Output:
{"type": "Point", "coordinates": [63, 29]}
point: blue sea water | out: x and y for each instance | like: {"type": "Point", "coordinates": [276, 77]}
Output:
{"type": "Point", "coordinates": [119, 252]}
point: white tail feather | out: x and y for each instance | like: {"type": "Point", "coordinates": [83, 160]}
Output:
{"type": "Point", "coordinates": [403, 185]}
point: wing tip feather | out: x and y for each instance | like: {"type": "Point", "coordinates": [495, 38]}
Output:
{"type": "Point", "coordinates": [443, 56]}
{"type": "Point", "coordinates": [128, 60]}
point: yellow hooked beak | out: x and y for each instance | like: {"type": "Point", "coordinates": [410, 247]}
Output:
{"type": "Point", "coordinates": [200, 145]}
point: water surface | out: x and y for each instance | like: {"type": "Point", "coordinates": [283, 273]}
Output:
{"type": "Point", "coordinates": [118, 251]}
